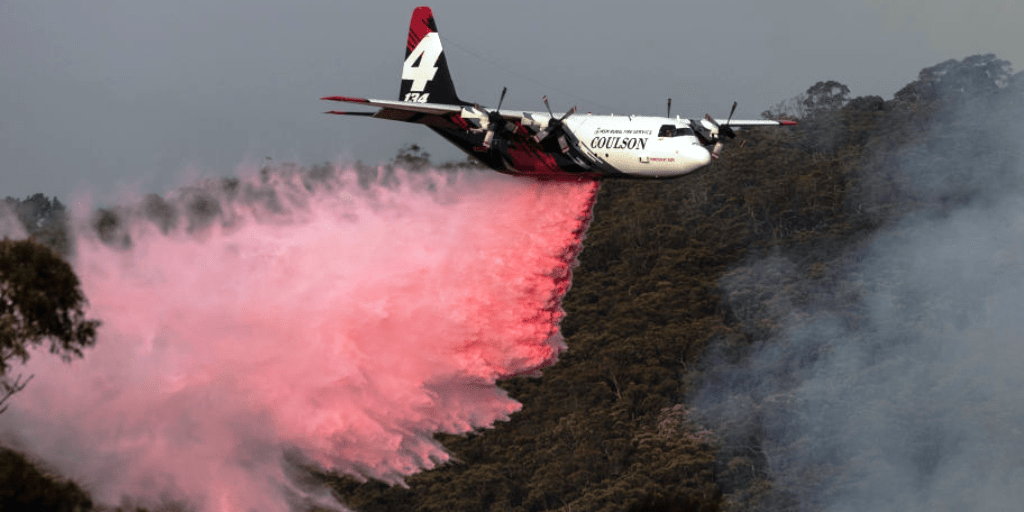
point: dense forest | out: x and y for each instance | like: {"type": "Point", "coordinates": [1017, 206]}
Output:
{"type": "Point", "coordinates": [734, 335]}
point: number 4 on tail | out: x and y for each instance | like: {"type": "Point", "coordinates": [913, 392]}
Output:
{"type": "Point", "coordinates": [421, 65]}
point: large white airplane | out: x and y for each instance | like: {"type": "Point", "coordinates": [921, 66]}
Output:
{"type": "Point", "coordinates": [545, 144]}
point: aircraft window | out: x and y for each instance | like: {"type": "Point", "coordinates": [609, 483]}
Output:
{"type": "Point", "coordinates": [668, 130]}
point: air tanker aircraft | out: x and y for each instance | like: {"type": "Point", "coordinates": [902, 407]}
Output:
{"type": "Point", "coordinates": [545, 144]}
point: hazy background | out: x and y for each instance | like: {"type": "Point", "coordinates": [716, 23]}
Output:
{"type": "Point", "coordinates": [891, 381]}
{"type": "Point", "coordinates": [146, 95]}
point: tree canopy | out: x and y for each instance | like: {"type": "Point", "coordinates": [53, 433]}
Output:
{"type": "Point", "coordinates": [41, 302]}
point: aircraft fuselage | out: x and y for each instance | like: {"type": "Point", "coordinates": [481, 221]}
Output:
{"type": "Point", "coordinates": [603, 146]}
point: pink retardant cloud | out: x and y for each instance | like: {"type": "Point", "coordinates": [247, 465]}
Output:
{"type": "Point", "coordinates": [343, 324]}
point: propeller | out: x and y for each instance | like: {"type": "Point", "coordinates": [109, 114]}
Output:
{"type": "Point", "coordinates": [494, 120]}
{"type": "Point", "coordinates": [723, 132]}
{"type": "Point", "coordinates": [553, 124]}
{"type": "Point", "coordinates": [669, 112]}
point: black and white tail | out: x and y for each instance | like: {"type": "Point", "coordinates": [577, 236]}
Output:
{"type": "Point", "coordinates": [425, 76]}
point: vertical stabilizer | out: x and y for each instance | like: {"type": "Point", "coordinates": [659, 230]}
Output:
{"type": "Point", "coordinates": [425, 76]}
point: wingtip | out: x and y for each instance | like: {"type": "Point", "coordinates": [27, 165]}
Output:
{"type": "Point", "coordinates": [345, 99]}
{"type": "Point", "coordinates": [787, 122]}
{"type": "Point", "coordinates": [342, 113]}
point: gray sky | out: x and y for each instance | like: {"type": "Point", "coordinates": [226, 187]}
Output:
{"type": "Point", "coordinates": [143, 95]}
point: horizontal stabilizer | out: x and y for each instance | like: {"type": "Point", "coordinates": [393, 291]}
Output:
{"type": "Point", "coordinates": [422, 108]}
{"type": "Point", "coordinates": [346, 99]}
{"type": "Point", "coordinates": [340, 113]}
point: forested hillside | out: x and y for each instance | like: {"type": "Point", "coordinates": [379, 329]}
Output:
{"type": "Point", "coordinates": [705, 311]}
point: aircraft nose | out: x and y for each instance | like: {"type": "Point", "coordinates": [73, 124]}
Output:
{"type": "Point", "coordinates": [699, 156]}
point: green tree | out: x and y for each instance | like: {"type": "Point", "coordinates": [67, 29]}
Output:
{"type": "Point", "coordinates": [817, 101]}
{"type": "Point", "coordinates": [40, 301]}
{"type": "Point", "coordinates": [826, 97]}
{"type": "Point", "coordinates": [977, 75]}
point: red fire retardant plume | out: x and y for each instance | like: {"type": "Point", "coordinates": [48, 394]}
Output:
{"type": "Point", "coordinates": [342, 327]}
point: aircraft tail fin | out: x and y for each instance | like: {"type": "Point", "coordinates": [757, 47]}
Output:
{"type": "Point", "coordinates": [425, 76]}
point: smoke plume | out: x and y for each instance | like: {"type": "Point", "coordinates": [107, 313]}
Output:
{"type": "Point", "coordinates": [300, 318]}
{"type": "Point", "coordinates": [895, 384]}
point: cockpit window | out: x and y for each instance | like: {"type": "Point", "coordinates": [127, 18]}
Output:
{"type": "Point", "coordinates": [669, 130]}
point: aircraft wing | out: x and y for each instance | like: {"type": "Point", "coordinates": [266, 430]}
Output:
{"type": "Point", "coordinates": [389, 108]}
{"type": "Point", "coordinates": [740, 123]}
{"type": "Point", "coordinates": [441, 115]}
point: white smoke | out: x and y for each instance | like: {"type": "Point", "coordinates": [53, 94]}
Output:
{"type": "Point", "coordinates": [10, 226]}
{"type": "Point", "coordinates": [900, 390]}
